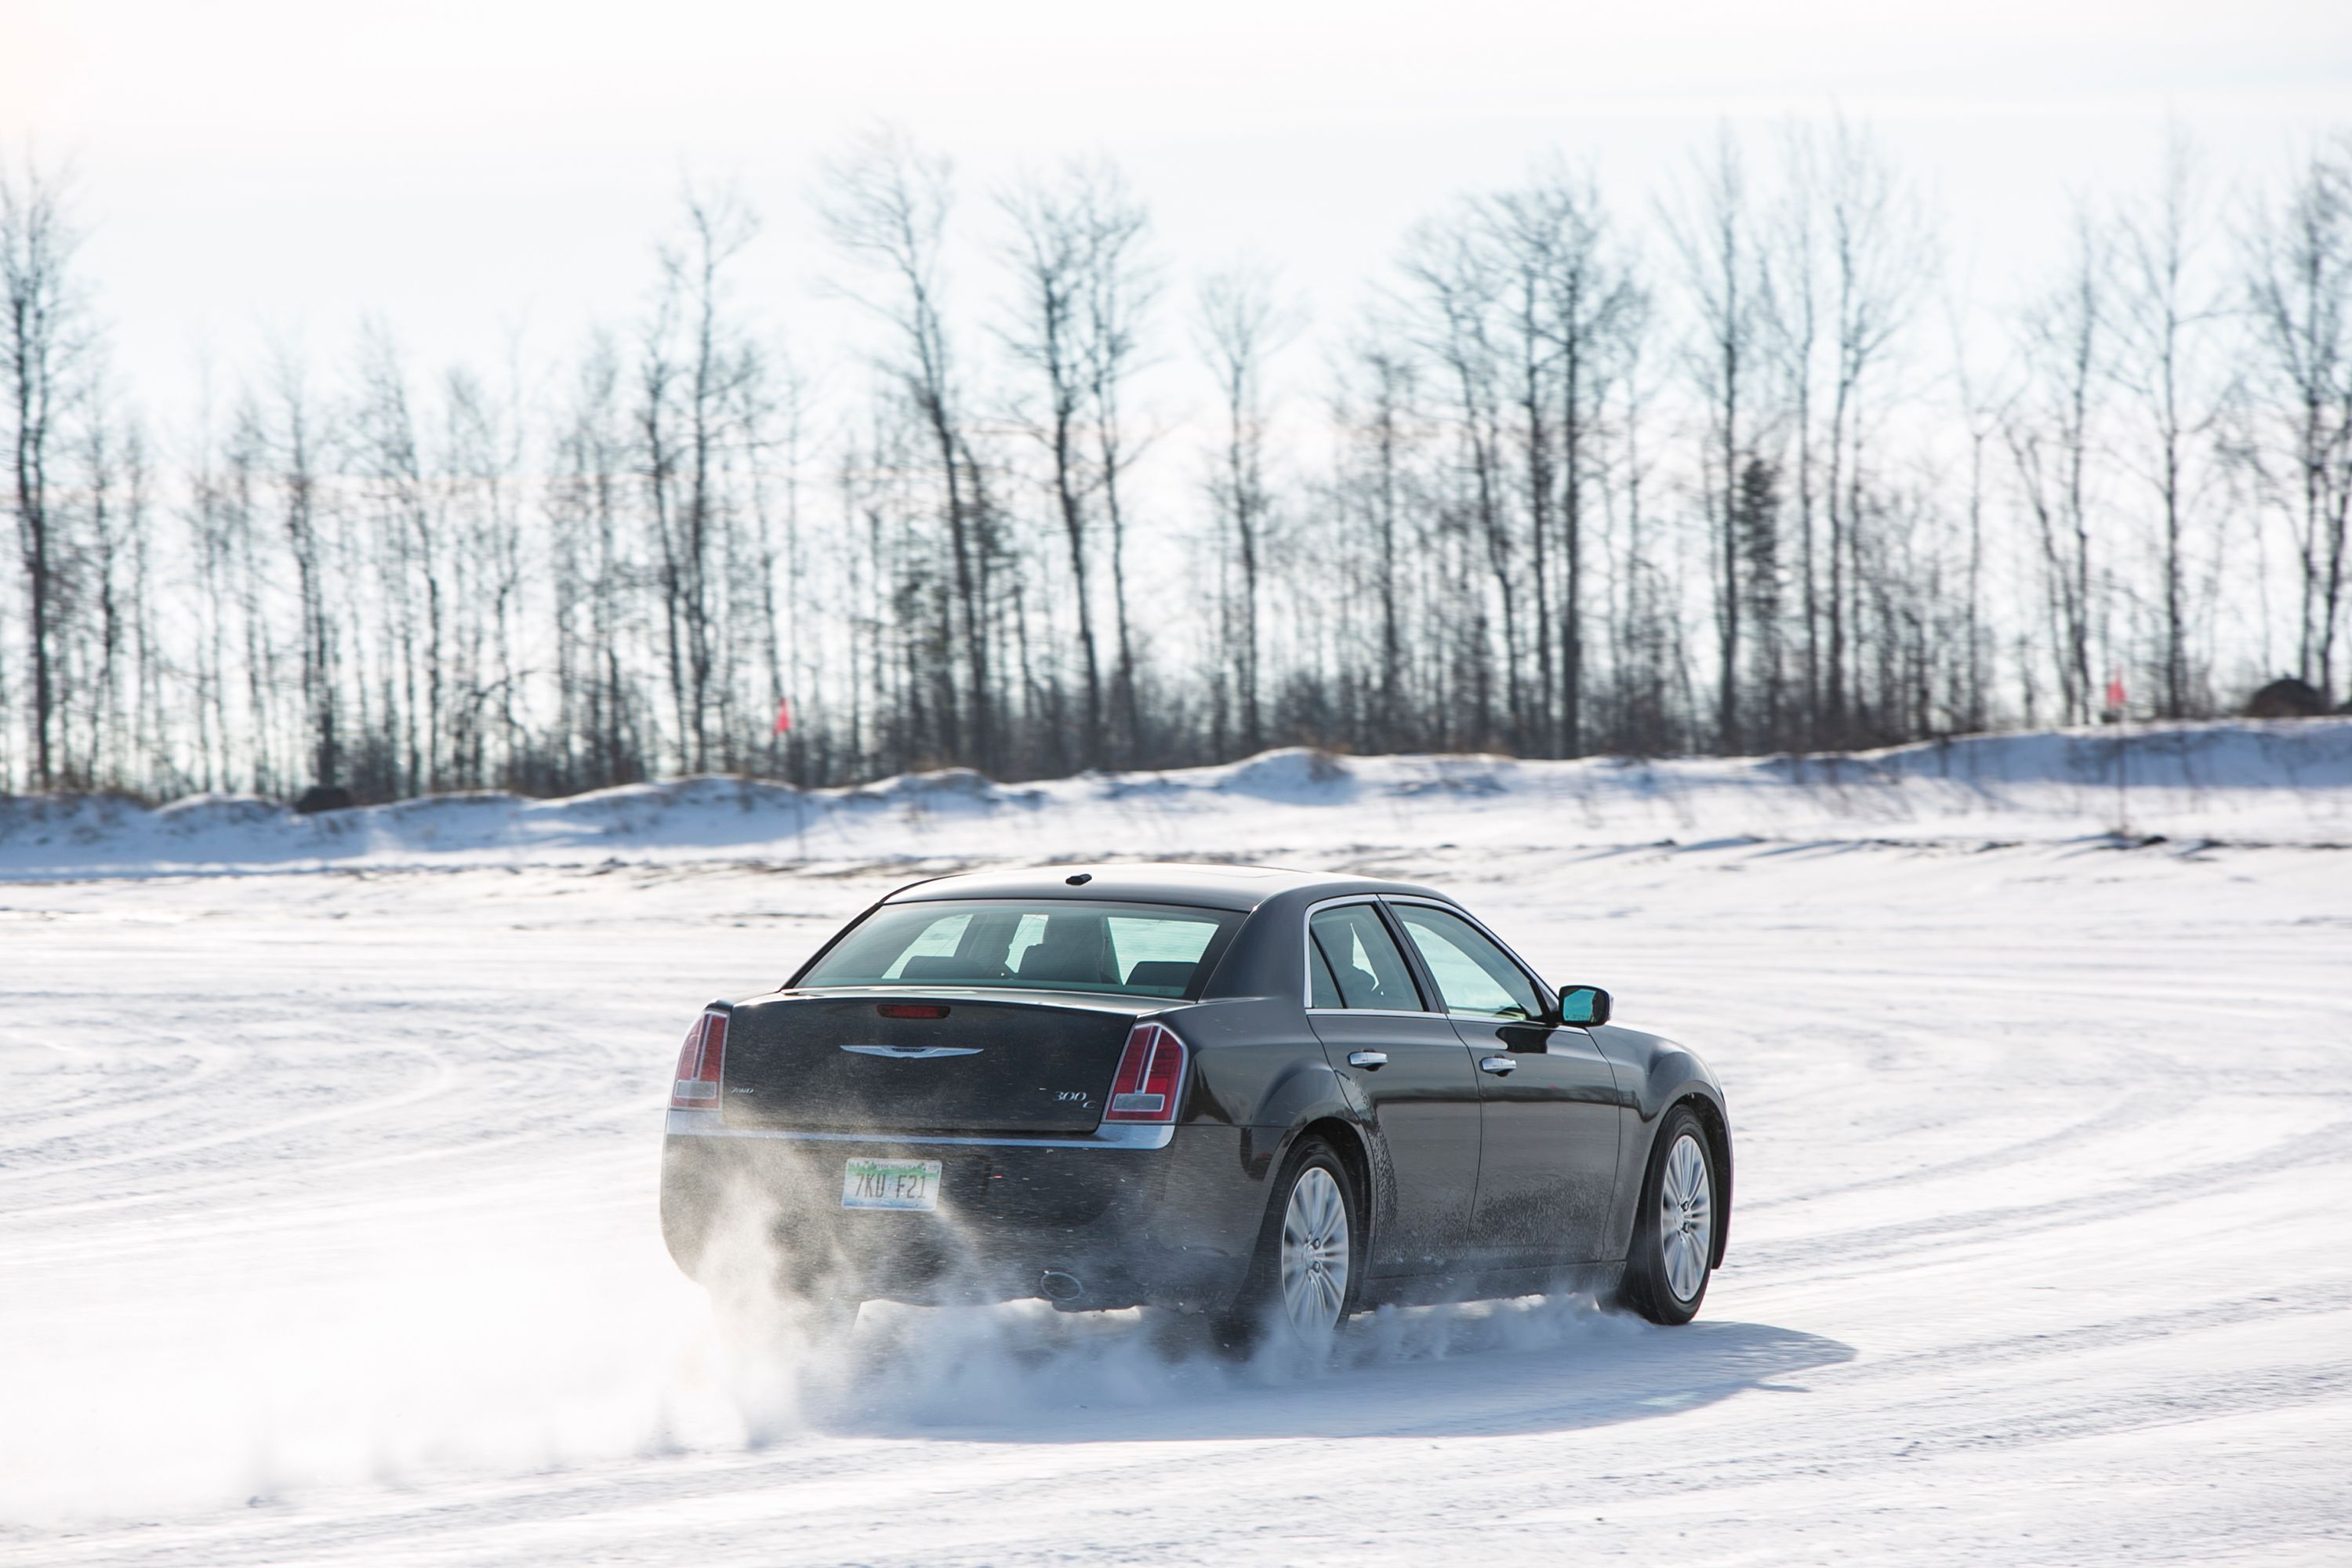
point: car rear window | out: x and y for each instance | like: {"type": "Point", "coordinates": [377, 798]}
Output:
{"type": "Point", "coordinates": [1137, 950]}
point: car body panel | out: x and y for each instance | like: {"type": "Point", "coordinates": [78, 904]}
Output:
{"type": "Point", "coordinates": [1131, 1223]}
{"type": "Point", "coordinates": [1655, 1074]}
{"type": "Point", "coordinates": [1549, 1135]}
{"type": "Point", "coordinates": [824, 1060]}
{"type": "Point", "coordinates": [1419, 1113]}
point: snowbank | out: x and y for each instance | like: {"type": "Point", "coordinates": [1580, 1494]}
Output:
{"type": "Point", "coordinates": [2243, 781]}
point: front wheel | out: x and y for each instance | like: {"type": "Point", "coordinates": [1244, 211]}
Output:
{"type": "Point", "coordinates": [1674, 1231]}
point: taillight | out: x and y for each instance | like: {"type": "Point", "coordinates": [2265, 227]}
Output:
{"type": "Point", "coordinates": [1150, 1069]}
{"type": "Point", "coordinates": [701, 1064]}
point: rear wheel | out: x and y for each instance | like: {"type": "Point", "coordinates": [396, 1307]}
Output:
{"type": "Point", "coordinates": [1674, 1231]}
{"type": "Point", "coordinates": [1304, 1280]}
{"type": "Point", "coordinates": [774, 1326]}
{"type": "Point", "coordinates": [828, 1321]}
{"type": "Point", "coordinates": [820, 1296]}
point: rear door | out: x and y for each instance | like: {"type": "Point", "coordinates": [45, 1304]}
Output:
{"type": "Point", "coordinates": [1419, 1091]}
{"type": "Point", "coordinates": [1548, 1098]}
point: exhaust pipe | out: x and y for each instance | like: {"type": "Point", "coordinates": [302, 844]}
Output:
{"type": "Point", "coordinates": [1057, 1286]}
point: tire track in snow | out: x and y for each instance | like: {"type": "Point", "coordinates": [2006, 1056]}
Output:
{"type": "Point", "coordinates": [1945, 1408]}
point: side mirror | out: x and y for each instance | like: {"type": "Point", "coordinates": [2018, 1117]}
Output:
{"type": "Point", "coordinates": [1584, 1004]}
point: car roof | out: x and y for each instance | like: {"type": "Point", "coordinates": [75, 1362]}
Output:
{"type": "Point", "coordinates": [1215, 886]}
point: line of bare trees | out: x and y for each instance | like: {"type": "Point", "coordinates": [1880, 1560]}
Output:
{"type": "Point", "coordinates": [1736, 469]}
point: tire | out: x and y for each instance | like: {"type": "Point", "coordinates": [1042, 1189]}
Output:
{"type": "Point", "coordinates": [1308, 1272]}
{"type": "Point", "coordinates": [1667, 1272]}
{"type": "Point", "coordinates": [766, 1318]}
{"type": "Point", "coordinates": [828, 1321]}
{"type": "Point", "coordinates": [823, 1302]}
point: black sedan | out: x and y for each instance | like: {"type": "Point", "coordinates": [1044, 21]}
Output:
{"type": "Point", "coordinates": [1271, 1097]}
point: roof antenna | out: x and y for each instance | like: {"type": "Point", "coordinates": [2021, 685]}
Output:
{"type": "Point", "coordinates": [1080, 878]}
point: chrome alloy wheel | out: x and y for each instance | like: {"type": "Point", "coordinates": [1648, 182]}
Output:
{"type": "Point", "coordinates": [1316, 1254]}
{"type": "Point", "coordinates": [1686, 1218]}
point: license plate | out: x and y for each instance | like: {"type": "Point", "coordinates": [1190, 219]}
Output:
{"type": "Point", "coordinates": [890, 1184]}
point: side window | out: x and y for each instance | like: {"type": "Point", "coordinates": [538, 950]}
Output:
{"type": "Point", "coordinates": [1472, 974]}
{"type": "Point", "coordinates": [1366, 967]}
{"type": "Point", "coordinates": [1322, 989]}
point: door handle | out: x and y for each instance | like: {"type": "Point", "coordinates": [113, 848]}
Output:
{"type": "Point", "coordinates": [1499, 1066]}
{"type": "Point", "coordinates": [1370, 1061]}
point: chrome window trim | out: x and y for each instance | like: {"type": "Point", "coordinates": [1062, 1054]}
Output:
{"type": "Point", "coordinates": [1373, 1012]}
{"type": "Point", "coordinates": [1542, 990]}
{"type": "Point", "coordinates": [1133, 1135]}
{"type": "Point", "coordinates": [926, 990]}
{"type": "Point", "coordinates": [1307, 963]}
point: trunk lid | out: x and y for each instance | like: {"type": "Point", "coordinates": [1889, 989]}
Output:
{"type": "Point", "coordinates": [834, 1063]}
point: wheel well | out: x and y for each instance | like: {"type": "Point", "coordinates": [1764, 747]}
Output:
{"type": "Point", "coordinates": [1718, 1139]}
{"type": "Point", "coordinates": [1349, 1145]}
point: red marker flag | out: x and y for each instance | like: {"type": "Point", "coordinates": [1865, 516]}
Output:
{"type": "Point", "coordinates": [784, 715]}
{"type": "Point", "coordinates": [2116, 691]}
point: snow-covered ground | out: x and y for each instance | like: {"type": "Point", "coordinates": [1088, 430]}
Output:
{"type": "Point", "coordinates": [327, 1164]}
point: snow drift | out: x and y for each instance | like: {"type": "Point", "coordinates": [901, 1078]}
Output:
{"type": "Point", "coordinates": [2245, 781]}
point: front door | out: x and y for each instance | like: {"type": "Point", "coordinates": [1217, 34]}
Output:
{"type": "Point", "coordinates": [1413, 1082]}
{"type": "Point", "coordinates": [1549, 1101]}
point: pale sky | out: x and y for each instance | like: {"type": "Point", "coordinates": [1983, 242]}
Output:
{"type": "Point", "coordinates": [464, 171]}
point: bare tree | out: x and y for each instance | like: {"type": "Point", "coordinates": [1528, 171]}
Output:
{"type": "Point", "coordinates": [694, 367]}
{"type": "Point", "coordinates": [2049, 435]}
{"type": "Point", "coordinates": [1979, 408]}
{"type": "Point", "coordinates": [479, 456]}
{"type": "Point", "coordinates": [885, 204]}
{"type": "Point", "coordinates": [2301, 288]}
{"type": "Point", "coordinates": [1719, 253]}
{"type": "Point", "coordinates": [1051, 259]}
{"type": "Point", "coordinates": [1794, 276]}
{"type": "Point", "coordinates": [1459, 320]}
{"type": "Point", "coordinates": [251, 580]}
{"type": "Point", "coordinates": [1121, 286]}
{"type": "Point", "coordinates": [47, 338]}
{"type": "Point", "coordinates": [1382, 420]}
{"type": "Point", "coordinates": [1533, 236]}
{"type": "Point", "coordinates": [412, 570]}
{"type": "Point", "coordinates": [1593, 305]}
{"type": "Point", "coordinates": [2163, 316]}
{"type": "Point", "coordinates": [1879, 255]}
{"type": "Point", "coordinates": [296, 451]}
{"type": "Point", "coordinates": [596, 570]}
{"type": "Point", "coordinates": [775, 418]}
{"type": "Point", "coordinates": [109, 543]}
{"type": "Point", "coordinates": [1241, 325]}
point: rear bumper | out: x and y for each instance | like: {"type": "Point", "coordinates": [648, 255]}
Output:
{"type": "Point", "coordinates": [1144, 1215]}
